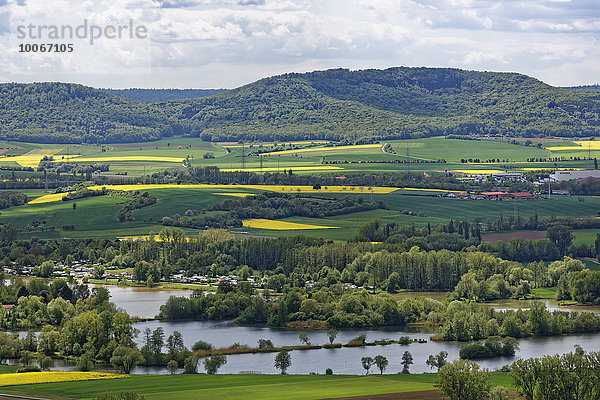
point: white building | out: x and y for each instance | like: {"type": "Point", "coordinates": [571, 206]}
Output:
{"type": "Point", "coordinates": [559, 176]}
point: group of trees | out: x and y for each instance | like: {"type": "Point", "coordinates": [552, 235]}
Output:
{"type": "Point", "coordinates": [11, 199]}
{"type": "Point", "coordinates": [269, 205]}
{"type": "Point", "coordinates": [91, 331]}
{"type": "Point", "coordinates": [571, 376]}
{"type": "Point", "coordinates": [464, 322]}
{"type": "Point", "coordinates": [324, 307]}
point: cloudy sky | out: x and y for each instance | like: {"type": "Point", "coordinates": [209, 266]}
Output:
{"type": "Point", "coordinates": [228, 43]}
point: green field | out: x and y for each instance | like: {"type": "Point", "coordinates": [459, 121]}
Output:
{"type": "Point", "coordinates": [145, 157]}
{"type": "Point", "coordinates": [97, 216]}
{"type": "Point", "coordinates": [7, 369]}
{"type": "Point", "coordinates": [234, 387]}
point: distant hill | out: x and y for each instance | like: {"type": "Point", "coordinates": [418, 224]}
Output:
{"type": "Point", "coordinates": [585, 87]}
{"type": "Point", "coordinates": [395, 103]}
{"type": "Point", "coordinates": [163, 94]}
{"type": "Point", "coordinates": [333, 104]}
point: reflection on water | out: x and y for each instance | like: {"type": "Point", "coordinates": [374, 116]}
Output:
{"type": "Point", "coordinates": [141, 302]}
{"type": "Point", "coordinates": [551, 305]}
{"type": "Point", "coordinates": [346, 360]}
{"type": "Point", "coordinates": [146, 302]}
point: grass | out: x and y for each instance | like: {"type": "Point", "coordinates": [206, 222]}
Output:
{"type": "Point", "coordinates": [136, 159]}
{"type": "Point", "coordinates": [258, 387]}
{"type": "Point", "coordinates": [544, 293]}
{"type": "Point", "coordinates": [97, 216]}
{"type": "Point", "coordinates": [8, 369]}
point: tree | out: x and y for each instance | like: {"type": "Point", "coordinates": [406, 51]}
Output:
{"type": "Point", "coordinates": [381, 363]}
{"type": "Point", "coordinates": [125, 358]}
{"type": "Point", "coordinates": [45, 362]}
{"type": "Point", "coordinates": [190, 365]}
{"type": "Point", "coordinates": [332, 334]}
{"type": "Point", "coordinates": [561, 236]}
{"type": "Point", "coordinates": [524, 374]}
{"type": "Point", "coordinates": [172, 366]}
{"type": "Point", "coordinates": [462, 380]}
{"type": "Point", "coordinates": [303, 338]}
{"type": "Point", "coordinates": [212, 364]}
{"type": "Point", "coordinates": [407, 360]}
{"type": "Point", "coordinates": [283, 361]}
{"type": "Point", "coordinates": [265, 344]}
{"type": "Point", "coordinates": [367, 363]}
{"type": "Point", "coordinates": [85, 362]}
{"type": "Point", "coordinates": [74, 205]}
{"type": "Point", "coordinates": [438, 360]}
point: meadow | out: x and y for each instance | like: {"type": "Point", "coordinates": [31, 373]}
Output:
{"type": "Point", "coordinates": [136, 159]}
{"type": "Point", "coordinates": [97, 216]}
{"type": "Point", "coordinates": [234, 387]}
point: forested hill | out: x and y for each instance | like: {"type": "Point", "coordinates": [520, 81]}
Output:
{"type": "Point", "coordinates": [397, 102]}
{"type": "Point", "coordinates": [333, 104]}
{"type": "Point", "coordinates": [163, 94]}
{"type": "Point", "coordinates": [69, 113]}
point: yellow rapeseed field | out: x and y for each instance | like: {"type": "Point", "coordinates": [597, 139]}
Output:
{"type": "Point", "coordinates": [49, 198]}
{"type": "Point", "coordinates": [26, 378]}
{"type": "Point", "coordinates": [326, 149]}
{"type": "Point", "coordinates": [260, 223]}
{"type": "Point", "coordinates": [126, 158]}
{"type": "Point", "coordinates": [479, 171]}
{"type": "Point", "coordinates": [581, 145]}
{"type": "Point", "coordinates": [275, 169]}
{"type": "Point", "coordinates": [147, 237]}
{"type": "Point", "coordinates": [235, 194]}
{"type": "Point", "coordinates": [248, 145]}
{"type": "Point", "coordinates": [269, 188]}
{"type": "Point", "coordinates": [550, 169]}
{"type": "Point", "coordinates": [434, 190]}
{"type": "Point", "coordinates": [32, 158]}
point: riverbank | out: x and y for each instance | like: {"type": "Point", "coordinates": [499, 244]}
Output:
{"type": "Point", "coordinates": [244, 386]}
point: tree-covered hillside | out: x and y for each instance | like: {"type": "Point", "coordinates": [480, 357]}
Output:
{"type": "Point", "coordinates": [69, 113]}
{"type": "Point", "coordinates": [163, 94]}
{"type": "Point", "coordinates": [333, 104]}
{"type": "Point", "coordinates": [398, 102]}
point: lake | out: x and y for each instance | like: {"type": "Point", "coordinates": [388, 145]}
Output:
{"type": "Point", "coordinates": [145, 302]}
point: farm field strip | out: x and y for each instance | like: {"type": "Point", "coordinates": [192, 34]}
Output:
{"type": "Point", "coordinates": [269, 188]}
{"type": "Point", "coordinates": [277, 169]}
{"type": "Point", "coordinates": [260, 223]}
{"type": "Point", "coordinates": [258, 387]}
{"type": "Point", "coordinates": [580, 145]}
{"type": "Point", "coordinates": [32, 158]}
{"type": "Point", "coordinates": [479, 171]}
{"type": "Point", "coordinates": [252, 145]}
{"type": "Point", "coordinates": [26, 378]}
{"type": "Point", "coordinates": [327, 149]}
{"type": "Point", "coordinates": [235, 194]}
{"type": "Point", "coordinates": [126, 158]}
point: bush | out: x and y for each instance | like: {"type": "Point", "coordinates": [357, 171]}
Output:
{"type": "Point", "coordinates": [28, 368]}
{"type": "Point", "coordinates": [328, 371]}
{"type": "Point", "coordinates": [404, 340]}
{"type": "Point", "coordinates": [201, 345]}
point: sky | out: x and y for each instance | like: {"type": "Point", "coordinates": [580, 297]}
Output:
{"type": "Point", "coordinates": [229, 43]}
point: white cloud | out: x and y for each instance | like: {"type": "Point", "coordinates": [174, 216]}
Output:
{"type": "Point", "coordinates": [225, 43]}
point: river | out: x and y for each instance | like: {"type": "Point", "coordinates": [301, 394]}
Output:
{"type": "Point", "coordinates": [146, 302]}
